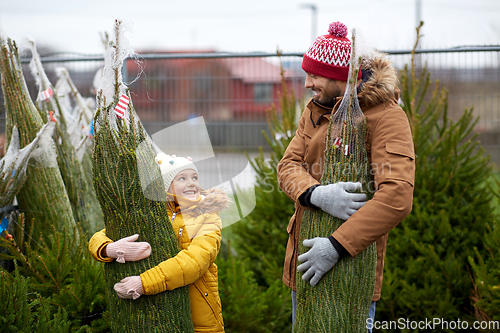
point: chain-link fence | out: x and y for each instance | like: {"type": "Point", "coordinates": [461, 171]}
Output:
{"type": "Point", "coordinates": [233, 91]}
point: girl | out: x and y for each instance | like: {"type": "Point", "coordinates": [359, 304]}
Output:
{"type": "Point", "coordinates": [196, 223]}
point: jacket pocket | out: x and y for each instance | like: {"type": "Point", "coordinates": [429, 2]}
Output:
{"type": "Point", "coordinates": [205, 303]}
{"type": "Point", "coordinates": [400, 148]}
{"type": "Point", "coordinates": [400, 162]}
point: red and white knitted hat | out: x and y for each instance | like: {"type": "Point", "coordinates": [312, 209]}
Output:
{"type": "Point", "coordinates": [330, 54]}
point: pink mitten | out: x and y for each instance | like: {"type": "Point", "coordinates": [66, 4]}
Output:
{"type": "Point", "coordinates": [126, 249]}
{"type": "Point", "coordinates": [129, 288]}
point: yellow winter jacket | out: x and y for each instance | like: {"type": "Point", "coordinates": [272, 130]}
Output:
{"type": "Point", "coordinates": [198, 229]}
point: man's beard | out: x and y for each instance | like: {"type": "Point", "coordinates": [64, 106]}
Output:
{"type": "Point", "coordinates": [328, 95]}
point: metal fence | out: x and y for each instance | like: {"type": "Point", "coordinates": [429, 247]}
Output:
{"type": "Point", "coordinates": [233, 91]}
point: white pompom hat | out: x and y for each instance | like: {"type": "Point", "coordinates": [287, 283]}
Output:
{"type": "Point", "coordinates": [171, 165]}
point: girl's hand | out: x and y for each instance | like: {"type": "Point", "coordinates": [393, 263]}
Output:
{"type": "Point", "coordinates": [129, 288]}
{"type": "Point", "coordinates": [126, 249]}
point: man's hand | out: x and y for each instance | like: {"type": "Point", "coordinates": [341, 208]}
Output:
{"type": "Point", "coordinates": [129, 287]}
{"type": "Point", "coordinates": [338, 200]}
{"type": "Point", "coordinates": [318, 260]}
{"type": "Point", "coordinates": [126, 249]}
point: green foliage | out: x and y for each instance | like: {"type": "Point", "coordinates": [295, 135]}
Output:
{"type": "Point", "coordinates": [494, 185]}
{"type": "Point", "coordinates": [248, 307]}
{"type": "Point", "coordinates": [426, 273]}
{"type": "Point", "coordinates": [27, 312]}
{"type": "Point", "coordinates": [60, 269]}
{"type": "Point", "coordinates": [83, 293]}
{"type": "Point", "coordinates": [486, 295]}
{"type": "Point", "coordinates": [64, 281]}
{"type": "Point", "coordinates": [486, 269]}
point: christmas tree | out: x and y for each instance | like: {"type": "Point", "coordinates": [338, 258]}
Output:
{"type": "Point", "coordinates": [44, 197]}
{"type": "Point", "coordinates": [123, 157]}
{"type": "Point", "coordinates": [426, 272]}
{"type": "Point", "coordinates": [342, 298]}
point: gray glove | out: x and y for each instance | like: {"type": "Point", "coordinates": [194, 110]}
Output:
{"type": "Point", "coordinates": [318, 260]}
{"type": "Point", "coordinates": [338, 200]}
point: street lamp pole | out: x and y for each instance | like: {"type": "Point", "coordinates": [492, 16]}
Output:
{"type": "Point", "coordinates": [418, 14]}
{"type": "Point", "coordinates": [314, 18]}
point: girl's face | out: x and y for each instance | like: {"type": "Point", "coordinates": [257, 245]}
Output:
{"type": "Point", "coordinates": [186, 184]}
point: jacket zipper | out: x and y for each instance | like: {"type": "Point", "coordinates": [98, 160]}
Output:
{"type": "Point", "coordinates": [180, 237]}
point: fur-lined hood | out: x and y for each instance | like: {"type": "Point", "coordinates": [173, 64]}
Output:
{"type": "Point", "coordinates": [210, 201]}
{"type": "Point", "coordinates": [380, 80]}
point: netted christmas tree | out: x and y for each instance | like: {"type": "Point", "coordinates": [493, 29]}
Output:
{"type": "Point", "coordinates": [43, 198]}
{"type": "Point", "coordinates": [123, 157]}
{"type": "Point", "coordinates": [13, 164]}
{"type": "Point", "coordinates": [78, 114]}
{"type": "Point", "coordinates": [341, 300]}
{"type": "Point", "coordinates": [81, 194]}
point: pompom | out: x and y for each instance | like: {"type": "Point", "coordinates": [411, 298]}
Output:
{"type": "Point", "coordinates": [161, 157]}
{"type": "Point", "coordinates": [338, 29]}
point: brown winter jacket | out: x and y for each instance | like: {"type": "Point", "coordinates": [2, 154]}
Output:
{"type": "Point", "coordinates": [390, 151]}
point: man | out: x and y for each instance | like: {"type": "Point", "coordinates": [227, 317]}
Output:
{"type": "Point", "coordinates": [390, 151]}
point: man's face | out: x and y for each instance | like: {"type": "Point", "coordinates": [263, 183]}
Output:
{"type": "Point", "coordinates": [326, 89]}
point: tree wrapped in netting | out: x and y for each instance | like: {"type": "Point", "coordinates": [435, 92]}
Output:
{"type": "Point", "coordinates": [43, 198]}
{"type": "Point", "coordinates": [341, 300]}
{"type": "Point", "coordinates": [13, 164]}
{"type": "Point", "coordinates": [123, 157]}
{"type": "Point", "coordinates": [81, 194]}
{"type": "Point", "coordinates": [77, 113]}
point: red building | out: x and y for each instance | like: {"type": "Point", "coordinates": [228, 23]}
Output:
{"type": "Point", "coordinates": [219, 89]}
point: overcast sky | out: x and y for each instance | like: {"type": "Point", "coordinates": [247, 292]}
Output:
{"type": "Point", "coordinates": [243, 26]}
